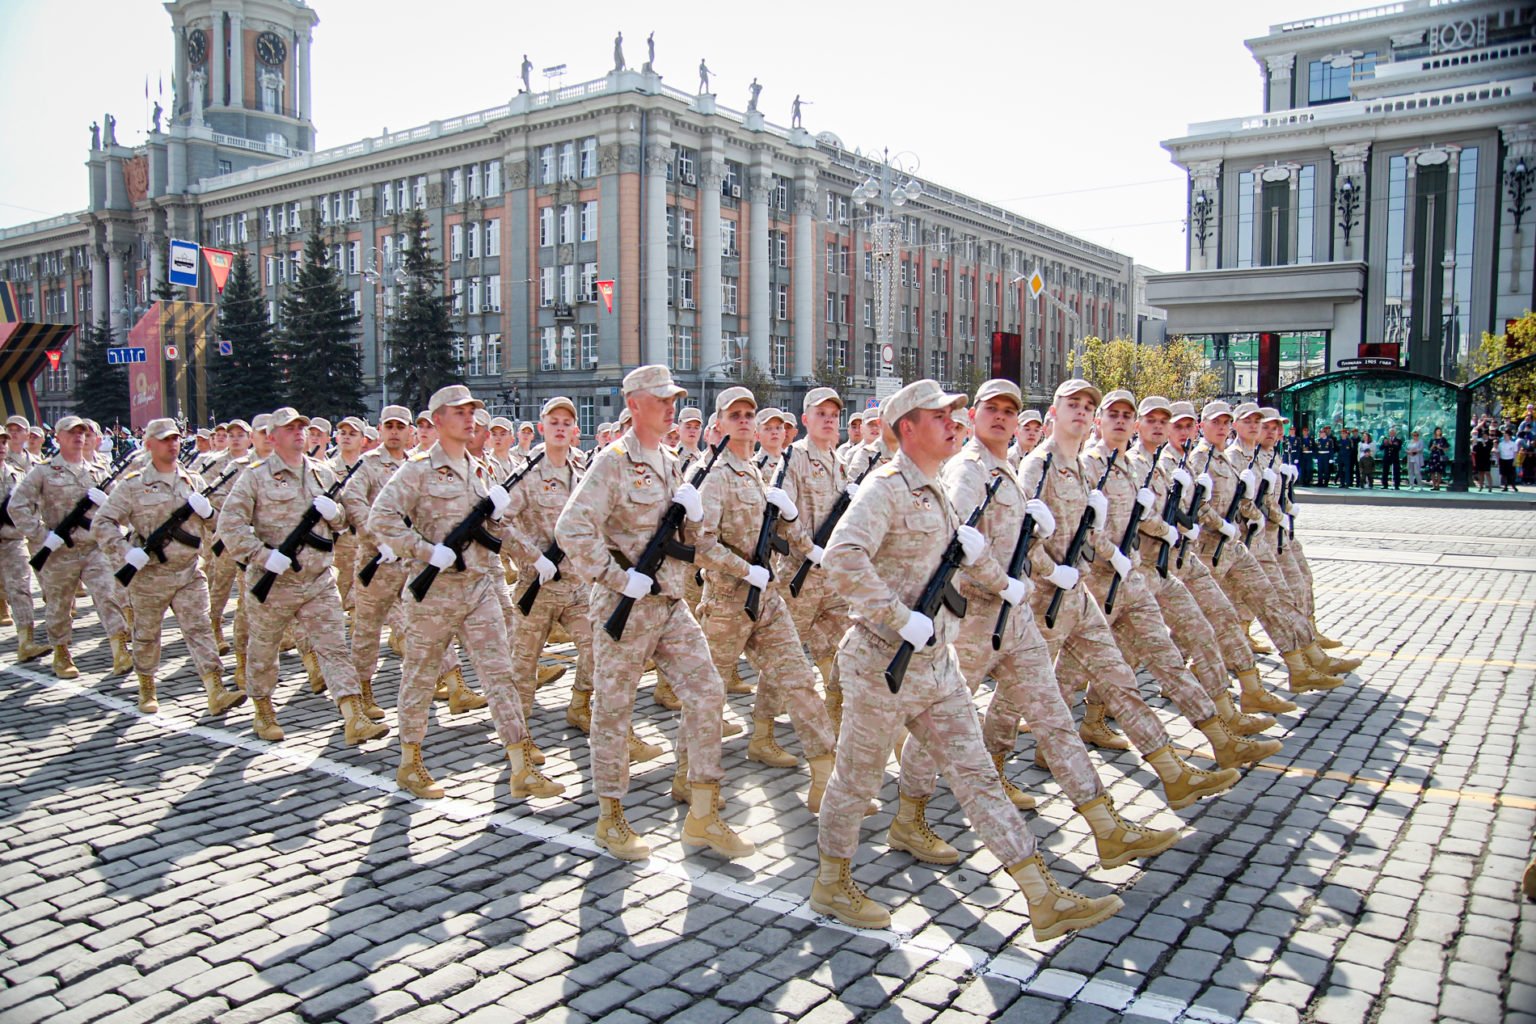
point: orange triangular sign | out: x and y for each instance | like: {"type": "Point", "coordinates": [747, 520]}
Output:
{"type": "Point", "coordinates": [605, 289]}
{"type": "Point", "coordinates": [219, 263]}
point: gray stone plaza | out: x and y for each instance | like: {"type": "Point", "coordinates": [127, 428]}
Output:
{"type": "Point", "coordinates": [174, 868]}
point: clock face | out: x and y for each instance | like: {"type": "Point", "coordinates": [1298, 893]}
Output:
{"type": "Point", "coordinates": [271, 49]}
{"type": "Point", "coordinates": [197, 47]}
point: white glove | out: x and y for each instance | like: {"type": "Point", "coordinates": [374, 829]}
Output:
{"type": "Point", "coordinates": [1100, 506]}
{"type": "Point", "coordinates": [1122, 564]}
{"type": "Point", "coordinates": [199, 504]}
{"type": "Point", "coordinates": [53, 541]}
{"type": "Point", "coordinates": [636, 584]}
{"type": "Point", "coordinates": [138, 557]}
{"type": "Point", "coordinates": [1182, 477]}
{"type": "Point", "coordinates": [1249, 481]}
{"type": "Point", "coordinates": [817, 554]}
{"type": "Point", "coordinates": [1192, 532]}
{"type": "Point", "coordinates": [1147, 499]}
{"type": "Point", "coordinates": [277, 562]}
{"type": "Point", "coordinates": [1290, 470]}
{"type": "Point", "coordinates": [693, 505]}
{"type": "Point", "coordinates": [1016, 591]}
{"type": "Point", "coordinates": [851, 489]}
{"type": "Point", "coordinates": [1063, 577]}
{"type": "Point", "coordinates": [327, 508]}
{"type": "Point", "coordinates": [1170, 532]}
{"type": "Point", "coordinates": [1286, 522]}
{"type": "Point", "coordinates": [1204, 480]}
{"type": "Point", "coordinates": [1045, 523]}
{"type": "Point", "coordinates": [442, 556]}
{"type": "Point", "coordinates": [545, 568]}
{"type": "Point", "coordinates": [1272, 478]}
{"type": "Point", "coordinates": [387, 553]}
{"type": "Point", "coordinates": [972, 541]}
{"type": "Point", "coordinates": [97, 495]}
{"type": "Point", "coordinates": [1228, 530]}
{"type": "Point", "coordinates": [757, 576]}
{"type": "Point", "coordinates": [918, 630]}
{"type": "Point", "coordinates": [786, 505]}
{"type": "Point", "coordinates": [500, 499]}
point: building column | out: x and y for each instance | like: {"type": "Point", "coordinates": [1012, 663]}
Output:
{"type": "Point", "coordinates": [805, 271]}
{"type": "Point", "coordinates": [115, 259]}
{"type": "Point", "coordinates": [301, 73]}
{"type": "Point", "coordinates": [1350, 200]}
{"type": "Point", "coordinates": [658, 156]}
{"type": "Point", "coordinates": [157, 244]}
{"type": "Point", "coordinates": [218, 67]}
{"type": "Point", "coordinates": [100, 303]}
{"type": "Point", "coordinates": [706, 285]}
{"type": "Point", "coordinates": [1204, 214]}
{"type": "Point", "coordinates": [237, 60]}
{"type": "Point", "coordinates": [1280, 68]}
{"type": "Point", "coordinates": [759, 322]}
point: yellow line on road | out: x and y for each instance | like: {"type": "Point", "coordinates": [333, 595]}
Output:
{"type": "Point", "coordinates": [1421, 596]}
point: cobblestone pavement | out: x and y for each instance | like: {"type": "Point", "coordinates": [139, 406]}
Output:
{"type": "Point", "coordinates": [173, 868]}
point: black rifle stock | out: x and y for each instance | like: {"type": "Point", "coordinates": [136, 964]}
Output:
{"type": "Point", "coordinates": [302, 534]}
{"type": "Point", "coordinates": [556, 556]}
{"type": "Point", "coordinates": [1131, 539]}
{"type": "Point", "coordinates": [1020, 557]}
{"type": "Point", "coordinates": [470, 529]}
{"type": "Point", "coordinates": [664, 543]}
{"type": "Point", "coordinates": [939, 592]}
{"type": "Point", "coordinates": [366, 574]}
{"type": "Point", "coordinates": [768, 541]}
{"type": "Point", "coordinates": [1258, 501]}
{"type": "Point", "coordinates": [5, 512]}
{"type": "Point", "coordinates": [1237, 497]}
{"type": "Point", "coordinates": [155, 544]}
{"type": "Point", "coordinates": [77, 519]}
{"type": "Point", "coordinates": [1075, 549]}
{"type": "Point", "coordinates": [1194, 509]}
{"type": "Point", "coordinates": [1171, 515]}
{"type": "Point", "coordinates": [824, 531]}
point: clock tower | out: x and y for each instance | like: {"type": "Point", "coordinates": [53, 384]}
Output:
{"type": "Point", "coordinates": [242, 71]}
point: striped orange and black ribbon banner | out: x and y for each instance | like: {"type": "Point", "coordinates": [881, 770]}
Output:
{"type": "Point", "coordinates": [24, 350]}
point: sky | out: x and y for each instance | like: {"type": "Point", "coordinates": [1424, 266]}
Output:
{"type": "Point", "coordinates": [1053, 110]}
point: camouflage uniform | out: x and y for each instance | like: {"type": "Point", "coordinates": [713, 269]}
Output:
{"type": "Point", "coordinates": [881, 555]}
{"type": "Point", "coordinates": [346, 542]}
{"type": "Point", "coordinates": [821, 616]}
{"type": "Point", "coordinates": [15, 573]}
{"type": "Point", "coordinates": [371, 604]}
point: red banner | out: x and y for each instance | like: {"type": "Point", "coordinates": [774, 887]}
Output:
{"type": "Point", "coordinates": [605, 289]}
{"type": "Point", "coordinates": [219, 263]}
{"type": "Point", "coordinates": [146, 380]}
{"type": "Point", "coordinates": [54, 355]}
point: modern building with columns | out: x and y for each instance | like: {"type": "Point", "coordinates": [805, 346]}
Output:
{"type": "Point", "coordinates": [1380, 198]}
{"type": "Point", "coordinates": [724, 236]}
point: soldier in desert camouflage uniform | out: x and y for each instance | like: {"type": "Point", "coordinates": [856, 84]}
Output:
{"type": "Point", "coordinates": [14, 570]}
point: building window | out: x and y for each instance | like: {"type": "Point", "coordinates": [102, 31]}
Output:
{"type": "Point", "coordinates": [493, 355]}
{"type": "Point", "coordinates": [493, 294]}
{"type": "Point", "coordinates": [492, 178]}
{"type": "Point", "coordinates": [493, 237]}
{"type": "Point", "coordinates": [567, 223]}
{"type": "Point", "coordinates": [1459, 339]}
{"type": "Point", "coordinates": [589, 157]}
{"type": "Point", "coordinates": [546, 165]}
{"type": "Point", "coordinates": [685, 288]}
{"type": "Point", "coordinates": [586, 415]}
{"type": "Point", "coordinates": [780, 193]}
{"type": "Point", "coordinates": [456, 242]}
{"type": "Point", "coordinates": [546, 225]}
{"type": "Point", "coordinates": [474, 296]}
{"type": "Point", "coordinates": [567, 160]}
{"type": "Point", "coordinates": [589, 221]}
{"type": "Point", "coordinates": [1306, 195]}
{"type": "Point", "coordinates": [728, 293]}
{"type": "Point", "coordinates": [728, 238]}
{"type": "Point", "coordinates": [780, 356]}
{"type": "Point", "coordinates": [869, 265]}
{"type": "Point", "coordinates": [1327, 83]}
{"type": "Point", "coordinates": [548, 352]}
{"type": "Point", "coordinates": [780, 249]}
{"type": "Point", "coordinates": [869, 312]}
{"type": "Point", "coordinates": [568, 350]}
{"type": "Point", "coordinates": [419, 192]}
{"type": "Point", "coordinates": [831, 307]}
{"type": "Point", "coordinates": [685, 166]}
{"type": "Point", "coordinates": [476, 355]}
{"type": "Point", "coordinates": [781, 302]}
{"type": "Point", "coordinates": [546, 286]}
{"type": "Point", "coordinates": [456, 347]}
{"type": "Point", "coordinates": [458, 296]}
{"type": "Point", "coordinates": [1275, 230]}
{"type": "Point", "coordinates": [1245, 219]}
{"type": "Point", "coordinates": [568, 283]}
{"type": "Point", "coordinates": [589, 282]}
{"type": "Point", "coordinates": [456, 185]}
{"type": "Point", "coordinates": [588, 345]}
{"type": "Point", "coordinates": [680, 347]}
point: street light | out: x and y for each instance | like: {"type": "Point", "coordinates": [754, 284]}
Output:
{"type": "Point", "coordinates": [379, 263]}
{"type": "Point", "coordinates": [884, 231]}
{"type": "Point", "coordinates": [740, 342]}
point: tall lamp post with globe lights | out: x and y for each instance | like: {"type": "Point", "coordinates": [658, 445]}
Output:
{"type": "Point", "coordinates": [884, 187]}
{"type": "Point", "coordinates": [381, 265]}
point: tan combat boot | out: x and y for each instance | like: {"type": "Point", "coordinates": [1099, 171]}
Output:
{"type": "Point", "coordinates": [27, 647]}
{"type": "Point", "coordinates": [1183, 784]}
{"type": "Point", "coordinates": [704, 827]}
{"type": "Point", "coordinates": [836, 894]}
{"type": "Point", "coordinates": [614, 833]}
{"type": "Point", "coordinates": [1096, 731]}
{"type": "Point", "coordinates": [312, 671]}
{"type": "Point", "coordinates": [5, 613]}
{"type": "Point", "coordinates": [63, 664]}
{"type": "Point", "coordinates": [736, 684]}
{"type": "Point", "coordinates": [558, 634]}
{"type": "Point", "coordinates": [460, 697]}
{"type": "Point", "coordinates": [1328, 664]}
{"type": "Point", "coordinates": [639, 750]}
{"type": "Point", "coordinates": [1255, 644]}
{"type": "Point", "coordinates": [122, 655]}
{"type": "Point", "coordinates": [527, 780]}
{"type": "Point", "coordinates": [147, 702]}
{"type": "Point", "coordinates": [579, 714]}
{"type": "Point", "coordinates": [547, 674]}
{"type": "Point", "coordinates": [1231, 751]}
{"type": "Point", "coordinates": [1327, 643]}
{"type": "Point", "coordinates": [764, 747]}
{"type": "Point", "coordinates": [220, 700]}
{"type": "Point", "coordinates": [1118, 841]}
{"type": "Point", "coordinates": [1054, 910]}
{"type": "Point", "coordinates": [240, 668]}
{"type": "Point", "coordinates": [397, 642]}
{"type": "Point", "coordinates": [370, 706]}
{"type": "Point", "coordinates": [1304, 677]}
{"type": "Point", "coordinates": [910, 832]}
{"type": "Point", "coordinates": [412, 774]}
{"type": "Point", "coordinates": [1016, 796]}
{"type": "Point", "coordinates": [358, 726]}
{"type": "Point", "coordinates": [1256, 699]}
{"type": "Point", "coordinates": [664, 694]}
{"type": "Point", "coordinates": [264, 720]}
{"type": "Point", "coordinates": [1239, 723]}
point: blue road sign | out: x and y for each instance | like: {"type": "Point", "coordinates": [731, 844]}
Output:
{"type": "Point", "coordinates": [116, 356]}
{"type": "Point", "coordinates": [226, 347]}
{"type": "Point", "coordinates": [184, 258]}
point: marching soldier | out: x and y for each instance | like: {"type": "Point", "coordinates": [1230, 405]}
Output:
{"type": "Point", "coordinates": [220, 568]}
{"type": "Point", "coordinates": [19, 433]}
{"type": "Point", "coordinates": [45, 496]}
{"type": "Point", "coordinates": [855, 436]}
{"type": "Point", "coordinates": [882, 553]}
{"type": "Point", "coordinates": [1031, 426]}
{"type": "Point", "coordinates": [263, 508]}
{"type": "Point", "coordinates": [612, 516]}
{"type": "Point", "coordinates": [15, 573]}
{"type": "Point", "coordinates": [419, 507]}
{"type": "Point", "coordinates": [349, 448]}
{"type": "Point", "coordinates": [143, 502]}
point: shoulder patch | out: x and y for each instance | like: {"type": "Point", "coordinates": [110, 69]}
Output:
{"type": "Point", "coordinates": [617, 447]}
{"type": "Point", "coordinates": [418, 456]}
{"type": "Point", "coordinates": [132, 474]}
{"type": "Point", "coordinates": [887, 469]}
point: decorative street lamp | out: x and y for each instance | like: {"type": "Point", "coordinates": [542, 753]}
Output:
{"type": "Point", "coordinates": [885, 237]}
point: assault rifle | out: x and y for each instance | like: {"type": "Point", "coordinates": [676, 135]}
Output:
{"type": "Point", "coordinates": [664, 543]}
{"type": "Point", "coordinates": [5, 512]}
{"type": "Point", "coordinates": [1193, 516]}
{"type": "Point", "coordinates": [1237, 496]}
{"type": "Point", "coordinates": [302, 534]}
{"type": "Point", "coordinates": [470, 529]}
{"type": "Point", "coordinates": [556, 556]}
{"type": "Point", "coordinates": [1075, 549]}
{"type": "Point", "coordinates": [768, 541]}
{"type": "Point", "coordinates": [1258, 501]}
{"type": "Point", "coordinates": [940, 592]}
{"type": "Point", "coordinates": [1171, 515]}
{"type": "Point", "coordinates": [1020, 557]}
{"type": "Point", "coordinates": [366, 574]}
{"type": "Point", "coordinates": [824, 532]}
{"type": "Point", "coordinates": [155, 544]}
{"type": "Point", "coordinates": [77, 519]}
{"type": "Point", "coordinates": [1131, 539]}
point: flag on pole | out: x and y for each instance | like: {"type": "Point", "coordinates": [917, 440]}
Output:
{"type": "Point", "coordinates": [605, 289]}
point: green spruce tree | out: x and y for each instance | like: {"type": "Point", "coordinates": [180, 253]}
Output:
{"type": "Point", "coordinates": [247, 381]}
{"type": "Point", "coordinates": [101, 390]}
{"type": "Point", "coordinates": [321, 362]}
{"type": "Point", "coordinates": [421, 329]}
